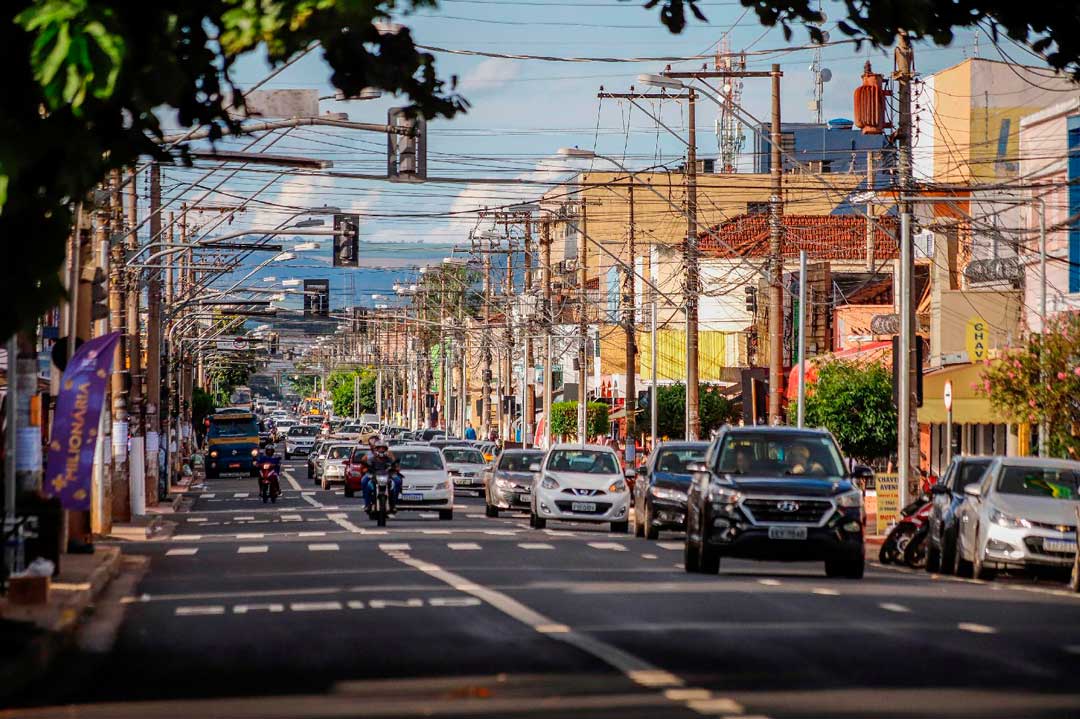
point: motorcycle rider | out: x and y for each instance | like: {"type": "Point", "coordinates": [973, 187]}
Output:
{"type": "Point", "coordinates": [268, 457]}
{"type": "Point", "coordinates": [381, 460]}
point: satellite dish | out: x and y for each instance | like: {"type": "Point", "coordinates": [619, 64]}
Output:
{"type": "Point", "coordinates": [826, 74]}
{"type": "Point", "coordinates": [825, 36]}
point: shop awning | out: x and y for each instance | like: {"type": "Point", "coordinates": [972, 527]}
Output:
{"type": "Point", "coordinates": [968, 406]}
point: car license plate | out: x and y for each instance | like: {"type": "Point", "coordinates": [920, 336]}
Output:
{"type": "Point", "coordinates": [462, 480]}
{"type": "Point", "coordinates": [787, 532]}
{"type": "Point", "coordinates": [525, 498]}
{"type": "Point", "coordinates": [412, 497]}
{"type": "Point", "coordinates": [1058, 545]}
{"type": "Point", "coordinates": [234, 465]}
{"type": "Point", "coordinates": [583, 506]}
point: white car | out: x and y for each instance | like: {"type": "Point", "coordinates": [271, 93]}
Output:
{"type": "Point", "coordinates": [332, 469]}
{"type": "Point", "coordinates": [300, 439]}
{"type": "Point", "coordinates": [426, 485]}
{"type": "Point", "coordinates": [466, 466]}
{"type": "Point", "coordinates": [1022, 514]}
{"type": "Point", "coordinates": [580, 483]}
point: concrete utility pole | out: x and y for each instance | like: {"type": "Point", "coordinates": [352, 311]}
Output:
{"type": "Point", "coordinates": [693, 280]}
{"type": "Point", "coordinates": [583, 325]}
{"type": "Point", "coordinates": [101, 508]}
{"type": "Point", "coordinates": [508, 369]}
{"type": "Point", "coordinates": [153, 350]}
{"type": "Point", "coordinates": [907, 363]}
{"type": "Point", "coordinates": [528, 409]}
{"type": "Point", "coordinates": [629, 327]}
{"type": "Point", "coordinates": [137, 460]}
{"type": "Point", "coordinates": [548, 319]}
{"type": "Point", "coordinates": [121, 508]}
{"type": "Point", "coordinates": [776, 259]}
{"type": "Point", "coordinates": [485, 349]}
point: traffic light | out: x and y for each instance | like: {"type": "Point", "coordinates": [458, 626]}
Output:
{"type": "Point", "coordinates": [346, 240]}
{"type": "Point", "coordinates": [99, 293]}
{"type": "Point", "coordinates": [406, 149]}
{"type": "Point", "coordinates": [751, 299]}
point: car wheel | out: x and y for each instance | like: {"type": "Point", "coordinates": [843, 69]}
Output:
{"type": "Point", "coordinates": [709, 558]}
{"type": "Point", "coordinates": [620, 527]}
{"type": "Point", "coordinates": [537, 522]}
{"type": "Point", "coordinates": [651, 530]}
{"type": "Point", "coordinates": [349, 491]}
{"type": "Point", "coordinates": [961, 566]}
{"type": "Point", "coordinates": [948, 552]}
{"type": "Point", "coordinates": [691, 558]}
{"type": "Point", "coordinates": [1074, 580]}
{"type": "Point", "coordinates": [933, 557]}
{"type": "Point", "coordinates": [639, 523]}
{"type": "Point", "coordinates": [980, 571]}
{"type": "Point", "coordinates": [324, 484]}
{"type": "Point", "coordinates": [288, 456]}
{"type": "Point", "coordinates": [211, 474]}
{"type": "Point", "coordinates": [845, 568]}
{"type": "Point", "coordinates": [490, 511]}
{"type": "Point", "coordinates": [446, 514]}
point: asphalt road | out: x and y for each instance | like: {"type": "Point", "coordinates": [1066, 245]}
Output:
{"type": "Point", "coordinates": [305, 609]}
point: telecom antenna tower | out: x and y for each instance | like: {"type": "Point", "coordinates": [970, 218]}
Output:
{"type": "Point", "coordinates": [729, 133]}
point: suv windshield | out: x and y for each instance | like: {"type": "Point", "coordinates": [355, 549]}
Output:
{"type": "Point", "coordinates": [774, 454]}
{"type": "Point", "coordinates": [969, 472]}
{"type": "Point", "coordinates": [233, 427]}
{"type": "Point", "coordinates": [419, 460]}
{"type": "Point", "coordinates": [584, 461]}
{"type": "Point", "coordinates": [342, 451]}
{"type": "Point", "coordinates": [464, 456]}
{"type": "Point", "coordinates": [520, 462]}
{"type": "Point", "coordinates": [1040, 482]}
{"type": "Point", "coordinates": [674, 461]}
{"type": "Point", "coordinates": [306, 430]}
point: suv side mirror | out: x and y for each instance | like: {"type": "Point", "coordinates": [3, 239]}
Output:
{"type": "Point", "coordinates": [630, 473]}
{"type": "Point", "coordinates": [973, 490]}
{"type": "Point", "coordinates": [861, 471]}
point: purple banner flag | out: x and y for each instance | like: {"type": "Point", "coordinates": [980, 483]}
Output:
{"type": "Point", "coordinates": [70, 464]}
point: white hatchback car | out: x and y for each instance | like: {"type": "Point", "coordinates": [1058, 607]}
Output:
{"type": "Point", "coordinates": [426, 485]}
{"type": "Point", "coordinates": [581, 483]}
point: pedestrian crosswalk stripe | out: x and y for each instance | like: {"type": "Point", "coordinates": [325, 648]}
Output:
{"type": "Point", "coordinates": [181, 552]}
{"type": "Point", "coordinates": [186, 537]}
{"type": "Point", "coordinates": [311, 534]}
{"type": "Point", "coordinates": [394, 547]}
{"type": "Point", "coordinates": [535, 545]}
{"type": "Point", "coordinates": [315, 606]}
{"type": "Point", "coordinates": [253, 549]}
{"type": "Point", "coordinates": [250, 535]}
{"type": "Point", "coordinates": [199, 611]}
{"type": "Point", "coordinates": [670, 545]}
{"type": "Point", "coordinates": [291, 518]}
{"type": "Point", "coordinates": [501, 532]}
{"type": "Point", "coordinates": [196, 519]}
{"type": "Point", "coordinates": [329, 547]}
{"type": "Point", "coordinates": [614, 546]}
{"type": "Point", "coordinates": [211, 495]}
{"type": "Point", "coordinates": [240, 495]}
{"type": "Point", "coordinates": [463, 546]}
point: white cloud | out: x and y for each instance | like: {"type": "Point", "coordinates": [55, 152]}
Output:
{"type": "Point", "coordinates": [490, 74]}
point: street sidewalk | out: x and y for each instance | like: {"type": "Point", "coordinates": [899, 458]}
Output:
{"type": "Point", "coordinates": [36, 635]}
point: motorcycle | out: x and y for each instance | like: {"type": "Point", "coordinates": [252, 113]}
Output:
{"type": "Point", "coordinates": [380, 509]}
{"type": "Point", "coordinates": [269, 489]}
{"type": "Point", "coordinates": [912, 528]}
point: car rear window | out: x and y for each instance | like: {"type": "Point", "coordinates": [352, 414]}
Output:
{"type": "Point", "coordinates": [1040, 482]}
{"type": "Point", "coordinates": [777, 454]}
{"type": "Point", "coordinates": [585, 461]}
{"type": "Point", "coordinates": [520, 462]}
{"type": "Point", "coordinates": [462, 455]}
{"type": "Point", "coordinates": [419, 460]}
{"type": "Point", "coordinates": [674, 461]}
{"type": "Point", "coordinates": [342, 451]}
{"type": "Point", "coordinates": [306, 430]}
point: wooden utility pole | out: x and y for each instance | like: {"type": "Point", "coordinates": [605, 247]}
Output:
{"type": "Point", "coordinates": [485, 349]}
{"type": "Point", "coordinates": [693, 281]}
{"type": "Point", "coordinates": [583, 324]}
{"type": "Point", "coordinates": [869, 211]}
{"type": "Point", "coordinates": [548, 319]}
{"type": "Point", "coordinates": [508, 368]}
{"type": "Point", "coordinates": [136, 415]}
{"type": "Point", "coordinates": [528, 411]}
{"type": "Point", "coordinates": [101, 507]}
{"type": "Point", "coordinates": [776, 259]}
{"type": "Point", "coordinates": [630, 328]}
{"type": "Point", "coordinates": [153, 347]}
{"type": "Point", "coordinates": [121, 495]}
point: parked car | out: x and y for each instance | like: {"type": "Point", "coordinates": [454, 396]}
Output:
{"type": "Point", "coordinates": [775, 494]}
{"type": "Point", "coordinates": [508, 481]}
{"type": "Point", "coordinates": [947, 496]}
{"type": "Point", "coordinates": [443, 442]}
{"type": "Point", "coordinates": [661, 485]}
{"type": "Point", "coordinates": [300, 439]}
{"type": "Point", "coordinates": [318, 451]}
{"type": "Point", "coordinates": [333, 465]}
{"type": "Point", "coordinates": [465, 466]}
{"type": "Point", "coordinates": [1022, 514]}
{"type": "Point", "coordinates": [426, 435]}
{"type": "Point", "coordinates": [580, 483]}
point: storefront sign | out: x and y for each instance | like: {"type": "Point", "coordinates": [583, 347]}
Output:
{"type": "Point", "coordinates": [888, 501]}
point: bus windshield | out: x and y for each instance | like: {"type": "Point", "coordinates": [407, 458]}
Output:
{"type": "Point", "coordinates": [235, 426]}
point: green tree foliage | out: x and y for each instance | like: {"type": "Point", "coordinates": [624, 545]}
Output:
{"type": "Point", "coordinates": [303, 384]}
{"type": "Point", "coordinates": [226, 378]}
{"type": "Point", "coordinates": [715, 410]}
{"type": "Point", "coordinates": [87, 81]}
{"type": "Point", "coordinates": [1041, 381]}
{"type": "Point", "coordinates": [1049, 29]}
{"type": "Point", "coordinates": [564, 419]}
{"type": "Point", "coordinates": [853, 400]}
{"type": "Point", "coordinates": [340, 384]}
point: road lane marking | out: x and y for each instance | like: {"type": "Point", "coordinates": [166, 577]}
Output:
{"type": "Point", "coordinates": [648, 556]}
{"type": "Point", "coordinates": [894, 607]}
{"type": "Point", "coordinates": [250, 535]}
{"type": "Point", "coordinates": [825, 592]}
{"type": "Point", "coordinates": [463, 546]}
{"type": "Point", "coordinates": [244, 519]}
{"type": "Point", "coordinates": [245, 608]}
{"type": "Point", "coordinates": [670, 545]}
{"type": "Point", "coordinates": [687, 694]}
{"type": "Point", "coordinates": [240, 495]}
{"type": "Point", "coordinates": [315, 606]}
{"type": "Point", "coordinates": [341, 521]}
{"type": "Point", "coordinates": [291, 518]}
{"type": "Point", "coordinates": [536, 545]}
{"type": "Point", "coordinates": [769, 582]}
{"type": "Point", "coordinates": [501, 532]}
{"type": "Point", "coordinates": [253, 549]}
{"type": "Point", "coordinates": [328, 547]}
{"type": "Point", "coordinates": [654, 678]}
{"type": "Point", "coordinates": [428, 515]}
{"type": "Point", "coordinates": [311, 500]}
{"type": "Point", "coordinates": [199, 611]}
{"type": "Point", "coordinates": [405, 603]}
{"type": "Point", "coordinates": [975, 628]}
{"type": "Point", "coordinates": [181, 552]}
{"type": "Point", "coordinates": [291, 480]}
{"type": "Point", "coordinates": [394, 547]}
{"type": "Point", "coordinates": [435, 531]}
{"type": "Point", "coordinates": [613, 546]}
{"type": "Point", "coordinates": [475, 516]}
{"type": "Point", "coordinates": [718, 705]}
{"type": "Point", "coordinates": [311, 534]}
{"type": "Point", "coordinates": [211, 495]}
{"type": "Point", "coordinates": [196, 519]}
{"type": "Point", "coordinates": [186, 537]}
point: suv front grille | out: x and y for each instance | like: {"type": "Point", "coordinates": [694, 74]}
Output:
{"type": "Point", "coordinates": [786, 511]}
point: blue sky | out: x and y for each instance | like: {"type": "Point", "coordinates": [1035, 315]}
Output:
{"type": "Point", "coordinates": [522, 111]}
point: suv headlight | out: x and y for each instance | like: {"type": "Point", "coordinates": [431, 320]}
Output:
{"type": "Point", "coordinates": [1007, 520]}
{"type": "Point", "coordinates": [666, 493]}
{"type": "Point", "coordinates": [254, 453]}
{"type": "Point", "coordinates": [723, 495]}
{"type": "Point", "coordinates": [213, 453]}
{"type": "Point", "coordinates": [617, 486]}
{"type": "Point", "coordinates": [549, 483]}
{"type": "Point", "coordinates": [850, 499]}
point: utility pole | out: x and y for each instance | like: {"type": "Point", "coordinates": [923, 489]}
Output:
{"type": "Point", "coordinates": [869, 211]}
{"type": "Point", "coordinates": [583, 325]}
{"type": "Point", "coordinates": [508, 370]}
{"type": "Point", "coordinates": [528, 409]}
{"type": "Point", "coordinates": [485, 349]}
{"type": "Point", "coordinates": [630, 299]}
{"type": "Point", "coordinates": [548, 319]}
{"type": "Point", "coordinates": [776, 259]}
{"type": "Point", "coordinates": [137, 460]}
{"type": "Point", "coordinates": [693, 281]}
{"type": "Point", "coordinates": [121, 508]}
{"type": "Point", "coordinates": [101, 508]}
{"type": "Point", "coordinates": [907, 430]}
{"type": "Point", "coordinates": [153, 350]}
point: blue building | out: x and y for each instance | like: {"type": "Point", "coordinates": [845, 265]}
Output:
{"type": "Point", "coordinates": [834, 147]}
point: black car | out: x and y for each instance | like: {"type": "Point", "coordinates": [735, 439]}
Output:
{"type": "Point", "coordinates": [426, 435]}
{"type": "Point", "coordinates": [778, 494]}
{"type": "Point", "coordinates": [661, 486]}
{"type": "Point", "coordinates": [947, 496]}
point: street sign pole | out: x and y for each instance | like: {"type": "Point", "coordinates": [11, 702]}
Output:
{"type": "Point", "coordinates": [948, 422]}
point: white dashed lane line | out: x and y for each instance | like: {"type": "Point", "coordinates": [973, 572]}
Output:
{"type": "Point", "coordinates": [328, 547]}
{"type": "Point", "coordinates": [613, 546]}
{"type": "Point", "coordinates": [536, 545]}
{"type": "Point", "coordinates": [670, 545]}
{"type": "Point", "coordinates": [240, 495]}
{"type": "Point", "coordinates": [181, 552]}
{"type": "Point", "coordinates": [196, 519]}
{"type": "Point", "coordinates": [769, 582]}
{"type": "Point", "coordinates": [253, 549]}
{"type": "Point", "coordinates": [825, 592]}
{"type": "Point", "coordinates": [463, 546]}
{"type": "Point", "coordinates": [975, 628]}
{"type": "Point", "coordinates": [394, 547]}
{"type": "Point", "coordinates": [893, 607]}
